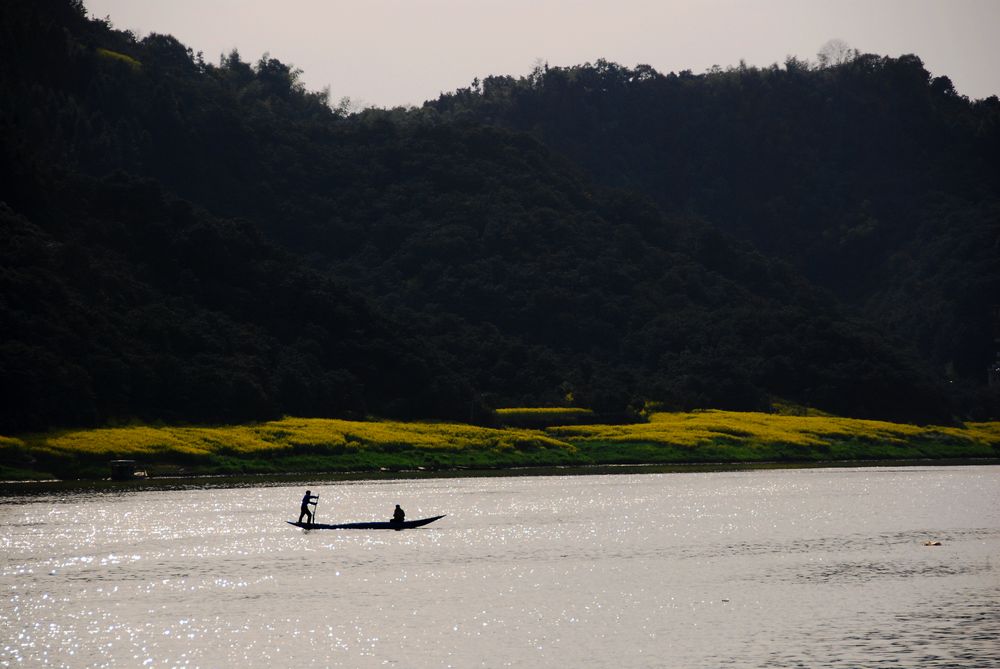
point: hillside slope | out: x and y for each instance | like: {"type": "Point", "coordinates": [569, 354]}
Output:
{"type": "Point", "coordinates": [874, 180]}
{"type": "Point", "coordinates": [202, 242]}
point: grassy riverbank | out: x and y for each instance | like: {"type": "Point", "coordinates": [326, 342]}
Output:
{"type": "Point", "coordinates": [326, 445]}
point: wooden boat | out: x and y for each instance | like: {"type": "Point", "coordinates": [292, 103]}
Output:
{"type": "Point", "coordinates": [385, 525]}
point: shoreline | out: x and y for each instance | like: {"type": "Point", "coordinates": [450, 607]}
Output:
{"type": "Point", "coordinates": [307, 448]}
{"type": "Point", "coordinates": [28, 488]}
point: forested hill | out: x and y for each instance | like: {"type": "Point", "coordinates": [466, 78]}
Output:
{"type": "Point", "coordinates": [874, 179]}
{"type": "Point", "coordinates": [190, 241]}
{"type": "Point", "coordinates": [118, 300]}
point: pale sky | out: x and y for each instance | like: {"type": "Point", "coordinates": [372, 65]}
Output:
{"type": "Point", "coordinates": [402, 52]}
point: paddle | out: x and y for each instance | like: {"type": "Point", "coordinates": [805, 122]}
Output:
{"type": "Point", "coordinates": [315, 507]}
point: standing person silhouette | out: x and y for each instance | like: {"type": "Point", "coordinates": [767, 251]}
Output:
{"type": "Point", "coordinates": [304, 510]}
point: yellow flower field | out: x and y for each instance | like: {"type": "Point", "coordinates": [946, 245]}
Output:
{"type": "Point", "coordinates": [288, 434]}
{"type": "Point", "coordinates": [678, 429]}
{"type": "Point", "coordinates": [322, 444]}
{"type": "Point", "coordinates": [538, 418]}
{"type": "Point", "coordinates": [545, 411]}
{"type": "Point", "coordinates": [700, 427]}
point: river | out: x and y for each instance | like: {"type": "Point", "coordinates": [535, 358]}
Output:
{"type": "Point", "coordinates": [766, 568]}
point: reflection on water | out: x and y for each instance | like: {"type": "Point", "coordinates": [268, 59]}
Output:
{"type": "Point", "coordinates": [779, 568]}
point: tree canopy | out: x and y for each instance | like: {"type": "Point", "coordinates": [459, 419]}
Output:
{"type": "Point", "coordinates": [190, 241]}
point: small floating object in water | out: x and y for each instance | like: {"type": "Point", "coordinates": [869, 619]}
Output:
{"type": "Point", "coordinates": [932, 543]}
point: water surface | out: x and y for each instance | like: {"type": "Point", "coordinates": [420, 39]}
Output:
{"type": "Point", "coordinates": [772, 568]}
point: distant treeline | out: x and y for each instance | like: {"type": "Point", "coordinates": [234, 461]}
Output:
{"type": "Point", "coordinates": [210, 242]}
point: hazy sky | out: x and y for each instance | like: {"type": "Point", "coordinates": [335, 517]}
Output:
{"type": "Point", "coordinates": [400, 52]}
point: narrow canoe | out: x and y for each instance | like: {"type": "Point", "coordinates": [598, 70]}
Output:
{"type": "Point", "coordinates": [385, 525]}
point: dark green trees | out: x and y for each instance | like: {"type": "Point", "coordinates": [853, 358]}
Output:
{"type": "Point", "coordinates": [188, 241]}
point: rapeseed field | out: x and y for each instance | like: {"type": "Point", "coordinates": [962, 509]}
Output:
{"type": "Point", "coordinates": [730, 435]}
{"type": "Point", "coordinates": [321, 444]}
{"type": "Point", "coordinates": [694, 428]}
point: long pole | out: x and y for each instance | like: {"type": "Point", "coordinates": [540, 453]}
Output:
{"type": "Point", "coordinates": [315, 508]}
